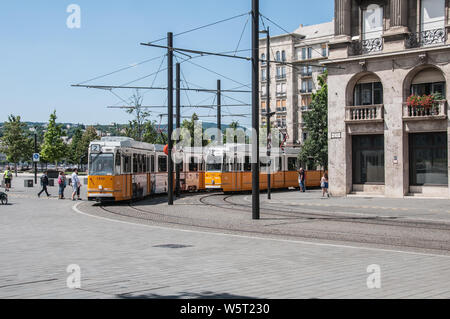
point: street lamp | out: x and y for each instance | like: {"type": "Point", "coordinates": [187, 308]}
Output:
{"type": "Point", "coordinates": [34, 130]}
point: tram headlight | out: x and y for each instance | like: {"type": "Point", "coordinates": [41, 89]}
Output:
{"type": "Point", "coordinates": [100, 187]}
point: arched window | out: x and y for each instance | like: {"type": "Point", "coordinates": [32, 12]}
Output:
{"type": "Point", "coordinates": [427, 82]}
{"type": "Point", "coordinates": [372, 22]}
{"type": "Point", "coordinates": [278, 56]}
{"type": "Point", "coordinates": [368, 91]}
{"type": "Point", "coordinates": [263, 58]}
{"type": "Point", "coordinates": [283, 56]}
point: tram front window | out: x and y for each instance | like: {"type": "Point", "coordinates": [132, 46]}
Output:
{"type": "Point", "coordinates": [101, 164]}
{"type": "Point", "coordinates": [214, 164]}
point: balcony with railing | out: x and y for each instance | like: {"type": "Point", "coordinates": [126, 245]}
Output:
{"type": "Point", "coordinates": [364, 113]}
{"type": "Point", "coordinates": [305, 108]}
{"type": "Point", "coordinates": [426, 38]}
{"type": "Point", "coordinates": [438, 111]}
{"type": "Point", "coordinates": [367, 46]}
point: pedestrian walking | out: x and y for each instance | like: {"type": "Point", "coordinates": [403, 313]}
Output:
{"type": "Point", "coordinates": [62, 182]}
{"type": "Point", "coordinates": [75, 185]}
{"type": "Point", "coordinates": [302, 179]}
{"type": "Point", "coordinates": [44, 184]}
{"type": "Point", "coordinates": [7, 177]}
{"type": "Point", "coordinates": [324, 184]}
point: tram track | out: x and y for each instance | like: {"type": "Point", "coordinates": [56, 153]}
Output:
{"type": "Point", "coordinates": [374, 220]}
{"type": "Point", "coordinates": [334, 234]}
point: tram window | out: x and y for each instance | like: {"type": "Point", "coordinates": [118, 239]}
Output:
{"type": "Point", "coordinates": [247, 164]}
{"type": "Point", "coordinates": [292, 164]}
{"type": "Point", "coordinates": [101, 164]}
{"type": "Point", "coordinates": [135, 163]}
{"type": "Point", "coordinates": [193, 166]}
{"type": "Point", "coordinates": [225, 166]}
{"type": "Point", "coordinates": [280, 164]}
{"type": "Point", "coordinates": [152, 163]}
{"type": "Point", "coordinates": [162, 163]}
{"type": "Point", "coordinates": [126, 164]}
{"type": "Point", "coordinates": [117, 162]}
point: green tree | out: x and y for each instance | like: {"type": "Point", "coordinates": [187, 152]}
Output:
{"type": "Point", "coordinates": [75, 147]}
{"type": "Point", "coordinates": [315, 149]}
{"type": "Point", "coordinates": [53, 149]}
{"type": "Point", "coordinates": [150, 134]}
{"type": "Point", "coordinates": [15, 142]}
{"type": "Point", "coordinates": [88, 136]}
{"type": "Point", "coordinates": [194, 130]}
{"type": "Point", "coordinates": [136, 126]}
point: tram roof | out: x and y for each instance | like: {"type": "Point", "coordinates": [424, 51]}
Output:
{"type": "Point", "coordinates": [125, 142]}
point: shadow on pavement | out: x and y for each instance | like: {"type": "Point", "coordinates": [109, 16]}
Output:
{"type": "Point", "coordinates": [185, 295]}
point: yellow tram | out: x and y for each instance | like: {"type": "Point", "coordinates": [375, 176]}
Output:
{"type": "Point", "coordinates": [228, 168]}
{"type": "Point", "coordinates": [121, 168]}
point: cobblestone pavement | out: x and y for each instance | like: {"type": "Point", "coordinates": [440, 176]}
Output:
{"type": "Point", "coordinates": [121, 258]}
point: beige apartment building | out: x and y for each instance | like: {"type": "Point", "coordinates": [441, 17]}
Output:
{"type": "Point", "coordinates": [388, 112]}
{"type": "Point", "coordinates": [292, 84]}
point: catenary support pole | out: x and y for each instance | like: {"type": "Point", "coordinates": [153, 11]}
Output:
{"type": "Point", "coordinates": [219, 106]}
{"type": "Point", "coordinates": [178, 124]}
{"type": "Point", "coordinates": [268, 115]}
{"type": "Point", "coordinates": [35, 163]}
{"type": "Point", "coordinates": [170, 116]}
{"type": "Point", "coordinates": [255, 109]}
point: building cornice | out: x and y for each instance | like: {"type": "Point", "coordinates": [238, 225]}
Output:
{"type": "Point", "coordinates": [385, 55]}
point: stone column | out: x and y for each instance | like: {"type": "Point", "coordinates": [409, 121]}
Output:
{"type": "Point", "coordinates": [399, 13]}
{"type": "Point", "coordinates": [394, 37]}
{"type": "Point", "coordinates": [339, 46]}
{"type": "Point", "coordinates": [342, 14]}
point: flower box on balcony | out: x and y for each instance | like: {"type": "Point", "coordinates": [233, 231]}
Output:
{"type": "Point", "coordinates": [414, 111]}
{"type": "Point", "coordinates": [432, 105]}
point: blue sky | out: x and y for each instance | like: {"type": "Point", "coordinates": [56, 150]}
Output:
{"type": "Point", "coordinates": [40, 57]}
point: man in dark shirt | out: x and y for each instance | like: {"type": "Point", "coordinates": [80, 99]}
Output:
{"type": "Point", "coordinates": [44, 184]}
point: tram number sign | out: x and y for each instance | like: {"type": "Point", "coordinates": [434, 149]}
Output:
{"type": "Point", "coordinates": [96, 148]}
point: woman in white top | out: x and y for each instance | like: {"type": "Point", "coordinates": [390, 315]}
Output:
{"type": "Point", "coordinates": [75, 183]}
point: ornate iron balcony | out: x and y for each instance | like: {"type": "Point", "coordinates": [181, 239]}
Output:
{"type": "Point", "coordinates": [424, 38]}
{"type": "Point", "coordinates": [367, 46]}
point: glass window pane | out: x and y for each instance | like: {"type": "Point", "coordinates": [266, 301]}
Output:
{"type": "Point", "coordinates": [428, 159]}
{"type": "Point", "coordinates": [368, 159]}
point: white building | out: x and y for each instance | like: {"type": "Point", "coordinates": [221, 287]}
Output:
{"type": "Point", "coordinates": [294, 78]}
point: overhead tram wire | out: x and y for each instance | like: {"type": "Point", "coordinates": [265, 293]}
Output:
{"type": "Point", "coordinates": [203, 27]}
{"type": "Point", "coordinates": [242, 34]}
{"type": "Point", "coordinates": [121, 69]}
{"type": "Point", "coordinates": [216, 73]}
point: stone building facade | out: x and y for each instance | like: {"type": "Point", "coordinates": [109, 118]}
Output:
{"type": "Point", "coordinates": [294, 78]}
{"type": "Point", "coordinates": [384, 137]}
